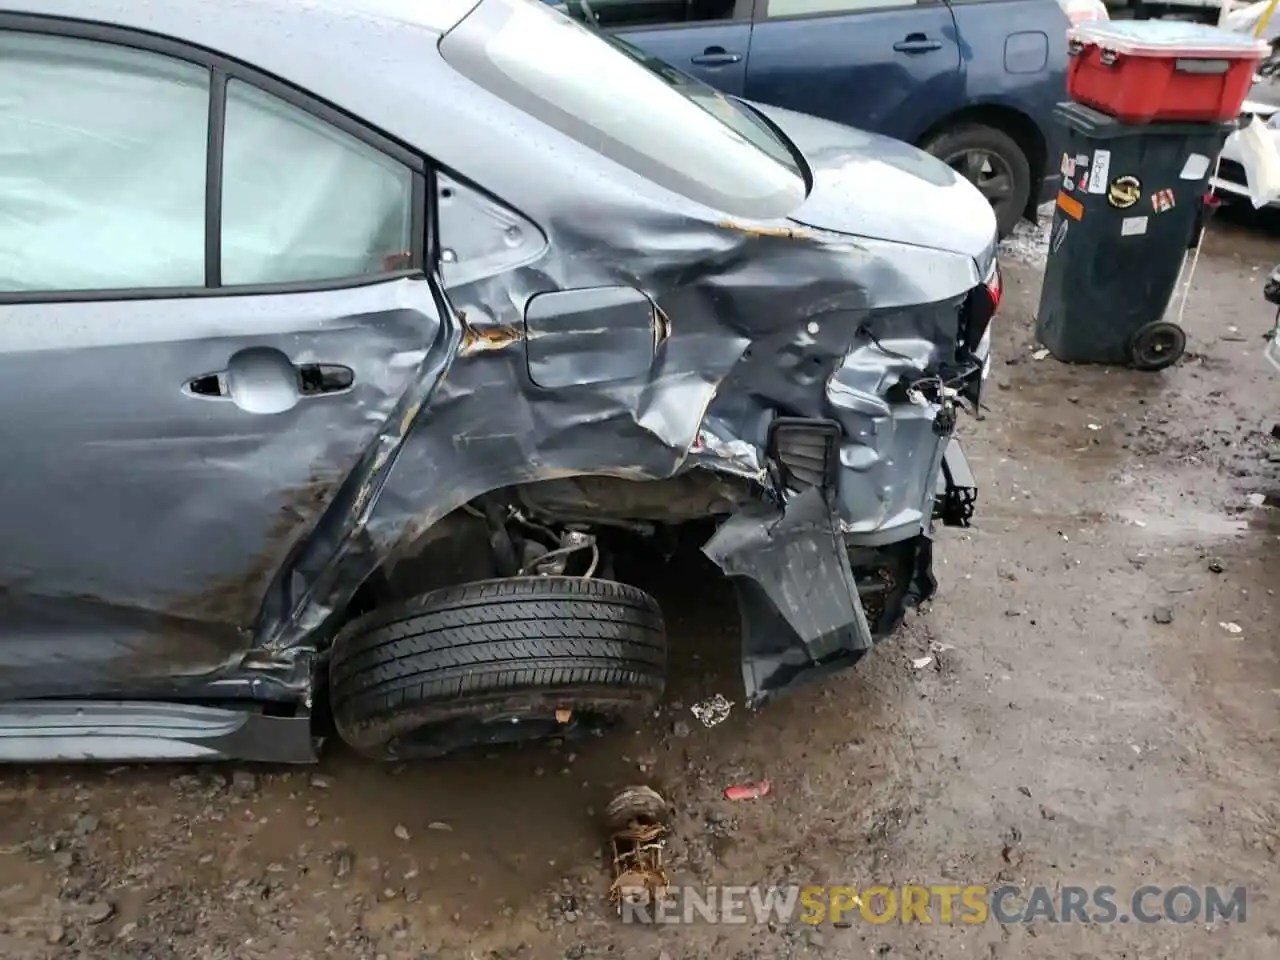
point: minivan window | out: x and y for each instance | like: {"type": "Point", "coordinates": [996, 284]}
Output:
{"type": "Point", "coordinates": [653, 120]}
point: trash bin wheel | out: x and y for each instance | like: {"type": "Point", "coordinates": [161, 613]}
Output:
{"type": "Point", "coordinates": [1157, 345]}
{"type": "Point", "coordinates": [496, 661]}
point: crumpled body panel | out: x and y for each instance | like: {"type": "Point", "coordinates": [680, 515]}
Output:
{"type": "Point", "coordinates": [744, 324]}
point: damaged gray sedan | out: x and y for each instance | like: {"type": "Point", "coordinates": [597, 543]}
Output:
{"type": "Point", "coordinates": [348, 345]}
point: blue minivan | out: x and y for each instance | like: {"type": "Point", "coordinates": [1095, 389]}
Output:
{"type": "Point", "coordinates": [971, 81]}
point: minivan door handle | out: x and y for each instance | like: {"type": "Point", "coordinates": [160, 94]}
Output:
{"type": "Point", "coordinates": [717, 57]}
{"type": "Point", "coordinates": [917, 43]}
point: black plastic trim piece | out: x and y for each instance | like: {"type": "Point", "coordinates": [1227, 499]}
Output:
{"type": "Point", "coordinates": [958, 494]}
{"type": "Point", "coordinates": [213, 181]}
{"type": "Point", "coordinates": [806, 452]}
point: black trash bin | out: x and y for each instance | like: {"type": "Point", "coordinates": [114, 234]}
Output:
{"type": "Point", "coordinates": [1131, 204]}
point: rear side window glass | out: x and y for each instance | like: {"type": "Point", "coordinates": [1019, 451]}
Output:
{"type": "Point", "coordinates": [569, 77]}
{"type": "Point", "coordinates": [304, 201]}
{"type": "Point", "coordinates": [102, 166]}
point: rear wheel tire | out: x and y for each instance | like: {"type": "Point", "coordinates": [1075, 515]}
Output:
{"type": "Point", "coordinates": [498, 661]}
{"type": "Point", "coordinates": [993, 162]}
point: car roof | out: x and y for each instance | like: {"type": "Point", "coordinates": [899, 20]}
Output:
{"type": "Point", "coordinates": [275, 19]}
{"type": "Point", "coordinates": [377, 60]}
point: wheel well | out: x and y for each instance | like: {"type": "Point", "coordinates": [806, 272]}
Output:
{"type": "Point", "coordinates": [1013, 122]}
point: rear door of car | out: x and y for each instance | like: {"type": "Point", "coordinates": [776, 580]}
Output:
{"type": "Point", "coordinates": [710, 39]}
{"type": "Point", "coordinates": [879, 65]}
{"type": "Point", "coordinates": [212, 308]}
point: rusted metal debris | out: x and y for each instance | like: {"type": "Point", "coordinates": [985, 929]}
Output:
{"type": "Point", "coordinates": [637, 823]}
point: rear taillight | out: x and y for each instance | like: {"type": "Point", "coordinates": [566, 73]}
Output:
{"type": "Point", "coordinates": [994, 287]}
{"type": "Point", "coordinates": [979, 307]}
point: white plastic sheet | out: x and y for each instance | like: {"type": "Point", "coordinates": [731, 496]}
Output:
{"type": "Point", "coordinates": [1258, 154]}
{"type": "Point", "coordinates": [1245, 20]}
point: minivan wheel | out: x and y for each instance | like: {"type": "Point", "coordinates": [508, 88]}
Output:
{"type": "Point", "coordinates": [497, 661]}
{"type": "Point", "coordinates": [993, 162]}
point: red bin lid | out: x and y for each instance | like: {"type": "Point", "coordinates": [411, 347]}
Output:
{"type": "Point", "coordinates": [1168, 38]}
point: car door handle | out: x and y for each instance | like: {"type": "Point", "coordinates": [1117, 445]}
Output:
{"type": "Point", "coordinates": [715, 57]}
{"type": "Point", "coordinates": [265, 380]}
{"type": "Point", "coordinates": [917, 43]}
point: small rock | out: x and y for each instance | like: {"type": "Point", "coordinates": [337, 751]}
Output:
{"type": "Point", "coordinates": [312, 821]}
{"type": "Point", "coordinates": [56, 933]}
{"type": "Point", "coordinates": [439, 825]}
{"type": "Point", "coordinates": [344, 861]}
{"type": "Point", "coordinates": [320, 781]}
{"type": "Point", "coordinates": [401, 832]}
{"type": "Point", "coordinates": [64, 859]}
{"type": "Point", "coordinates": [680, 729]}
{"type": "Point", "coordinates": [813, 937]}
{"type": "Point", "coordinates": [86, 825]}
{"type": "Point", "coordinates": [1025, 791]}
{"type": "Point", "coordinates": [243, 781]}
{"type": "Point", "coordinates": [1162, 615]}
{"type": "Point", "coordinates": [126, 930]}
{"type": "Point", "coordinates": [1215, 566]}
{"type": "Point", "coordinates": [98, 911]}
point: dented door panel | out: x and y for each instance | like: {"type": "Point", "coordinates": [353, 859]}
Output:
{"type": "Point", "coordinates": [181, 465]}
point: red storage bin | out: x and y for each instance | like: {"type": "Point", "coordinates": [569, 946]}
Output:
{"type": "Point", "coordinates": [1140, 71]}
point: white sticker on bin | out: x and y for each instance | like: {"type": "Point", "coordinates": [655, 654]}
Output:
{"type": "Point", "coordinates": [1133, 226]}
{"type": "Point", "coordinates": [1101, 171]}
{"type": "Point", "coordinates": [1195, 168]}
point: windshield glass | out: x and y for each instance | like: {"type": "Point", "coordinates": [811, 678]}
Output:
{"type": "Point", "coordinates": [629, 107]}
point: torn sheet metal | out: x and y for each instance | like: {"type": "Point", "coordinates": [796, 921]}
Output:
{"type": "Point", "coordinates": [791, 563]}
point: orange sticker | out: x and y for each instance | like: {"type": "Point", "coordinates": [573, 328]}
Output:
{"type": "Point", "coordinates": [1072, 207]}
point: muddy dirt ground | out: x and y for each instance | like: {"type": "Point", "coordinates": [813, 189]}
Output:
{"type": "Point", "coordinates": [1061, 733]}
